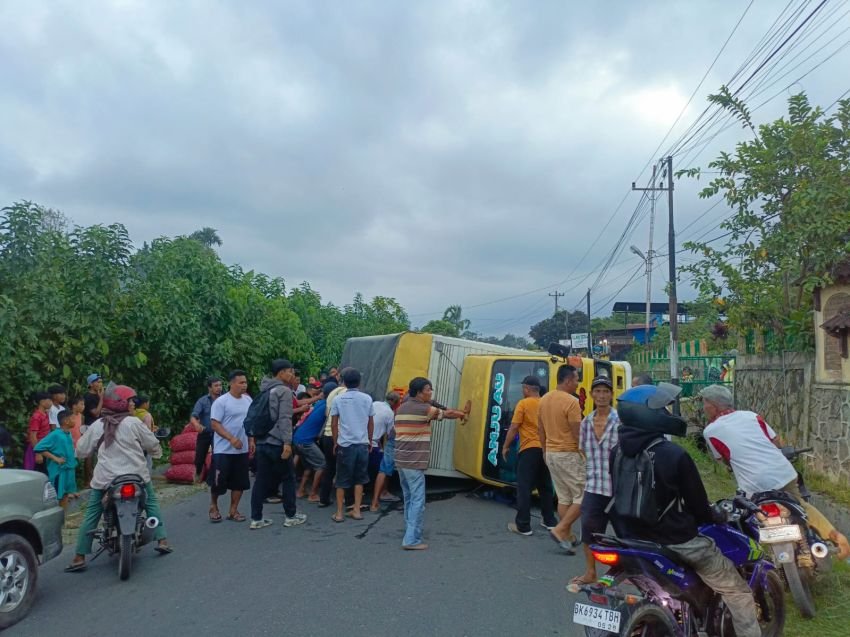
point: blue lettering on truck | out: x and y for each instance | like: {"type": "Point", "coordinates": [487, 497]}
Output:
{"type": "Point", "coordinates": [495, 418]}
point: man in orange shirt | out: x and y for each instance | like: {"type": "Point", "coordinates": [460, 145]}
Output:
{"type": "Point", "coordinates": [531, 468]}
{"type": "Point", "coordinates": [558, 425]}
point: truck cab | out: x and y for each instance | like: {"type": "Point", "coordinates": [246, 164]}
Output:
{"type": "Point", "coordinates": [493, 386]}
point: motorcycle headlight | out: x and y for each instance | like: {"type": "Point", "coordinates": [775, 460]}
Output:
{"type": "Point", "coordinates": [49, 496]}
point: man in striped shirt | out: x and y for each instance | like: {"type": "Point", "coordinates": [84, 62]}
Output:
{"type": "Point", "coordinates": [413, 451]}
{"type": "Point", "coordinates": [597, 437]}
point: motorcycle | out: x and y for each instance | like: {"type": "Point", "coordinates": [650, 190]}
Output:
{"type": "Point", "coordinates": [125, 528]}
{"type": "Point", "coordinates": [648, 590]}
{"type": "Point", "coordinates": [797, 548]}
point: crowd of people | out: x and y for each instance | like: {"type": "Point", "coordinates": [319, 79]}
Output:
{"type": "Point", "coordinates": [584, 458]}
{"type": "Point", "coordinates": [335, 435]}
{"type": "Point", "coordinates": [340, 440]}
{"type": "Point", "coordinates": [56, 426]}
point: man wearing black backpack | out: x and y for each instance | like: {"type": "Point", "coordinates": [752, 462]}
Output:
{"type": "Point", "coordinates": [269, 423]}
{"type": "Point", "coordinates": [659, 497]}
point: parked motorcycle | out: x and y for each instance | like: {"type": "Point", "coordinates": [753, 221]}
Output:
{"type": "Point", "coordinates": [125, 527]}
{"type": "Point", "coordinates": [648, 589]}
{"type": "Point", "coordinates": [797, 548]}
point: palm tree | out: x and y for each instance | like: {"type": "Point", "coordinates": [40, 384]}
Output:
{"type": "Point", "coordinates": [206, 236]}
{"type": "Point", "coordinates": [454, 315]}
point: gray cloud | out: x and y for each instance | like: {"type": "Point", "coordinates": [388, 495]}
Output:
{"type": "Point", "coordinates": [438, 152]}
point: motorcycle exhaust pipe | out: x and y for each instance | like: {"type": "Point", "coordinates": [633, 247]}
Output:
{"type": "Point", "coordinates": [820, 550]}
{"type": "Point", "coordinates": [147, 530]}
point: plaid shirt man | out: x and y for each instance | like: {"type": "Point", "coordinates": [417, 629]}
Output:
{"type": "Point", "coordinates": [598, 451]}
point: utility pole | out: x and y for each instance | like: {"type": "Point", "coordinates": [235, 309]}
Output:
{"type": "Point", "coordinates": [558, 295]}
{"type": "Point", "coordinates": [649, 257]}
{"type": "Point", "coordinates": [671, 249]}
{"type": "Point", "coordinates": [589, 332]}
{"type": "Point", "coordinates": [674, 303]}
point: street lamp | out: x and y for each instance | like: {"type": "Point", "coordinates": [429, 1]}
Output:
{"type": "Point", "coordinates": [648, 262]}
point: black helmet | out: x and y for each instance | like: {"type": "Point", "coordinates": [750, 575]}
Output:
{"type": "Point", "coordinates": [645, 408]}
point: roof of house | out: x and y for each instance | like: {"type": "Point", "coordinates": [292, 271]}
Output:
{"type": "Point", "coordinates": [837, 323]}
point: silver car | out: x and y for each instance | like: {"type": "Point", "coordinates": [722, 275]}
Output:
{"type": "Point", "coordinates": [30, 533]}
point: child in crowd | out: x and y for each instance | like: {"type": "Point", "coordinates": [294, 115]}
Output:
{"type": "Point", "coordinates": [57, 448]}
{"type": "Point", "coordinates": [39, 425]}
{"type": "Point", "coordinates": [77, 406]}
{"type": "Point", "coordinates": [143, 405]}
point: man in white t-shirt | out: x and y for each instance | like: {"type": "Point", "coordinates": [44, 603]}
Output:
{"type": "Point", "coordinates": [352, 426]}
{"type": "Point", "coordinates": [745, 442]}
{"type": "Point", "coordinates": [230, 447]}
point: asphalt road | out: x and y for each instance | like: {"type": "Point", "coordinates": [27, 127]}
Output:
{"type": "Point", "coordinates": [320, 579]}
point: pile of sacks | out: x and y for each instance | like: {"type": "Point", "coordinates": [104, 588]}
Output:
{"type": "Point", "coordinates": [182, 467]}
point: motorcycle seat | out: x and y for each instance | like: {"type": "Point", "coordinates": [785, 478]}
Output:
{"type": "Point", "coordinates": [128, 477]}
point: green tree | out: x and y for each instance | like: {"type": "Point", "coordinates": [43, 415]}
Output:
{"type": "Point", "coordinates": [79, 299]}
{"type": "Point", "coordinates": [206, 236]}
{"type": "Point", "coordinates": [789, 189]}
{"type": "Point", "coordinates": [441, 327]}
{"type": "Point", "coordinates": [553, 329]}
{"type": "Point", "coordinates": [454, 315]}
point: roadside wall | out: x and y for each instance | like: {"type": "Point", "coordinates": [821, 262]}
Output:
{"type": "Point", "coordinates": [782, 387]}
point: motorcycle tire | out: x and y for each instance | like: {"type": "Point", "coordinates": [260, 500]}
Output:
{"type": "Point", "coordinates": [771, 603]}
{"type": "Point", "coordinates": [125, 556]}
{"type": "Point", "coordinates": [650, 619]}
{"type": "Point", "coordinates": [800, 590]}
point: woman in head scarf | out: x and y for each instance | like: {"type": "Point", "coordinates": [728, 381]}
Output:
{"type": "Point", "coordinates": [120, 441]}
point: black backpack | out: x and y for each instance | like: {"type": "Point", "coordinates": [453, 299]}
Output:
{"type": "Point", "coordinates": [258, 421]}
{"type": "Point", "coordinates": [633, 479]}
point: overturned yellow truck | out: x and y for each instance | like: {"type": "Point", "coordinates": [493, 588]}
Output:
{"type": "Point", "coordinates": [489, 376]}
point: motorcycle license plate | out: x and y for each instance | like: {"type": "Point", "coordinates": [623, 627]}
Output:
{"type": "Point", "coordinates": [784, 533]}
{"type": "Point", "coordinates": [596, 617]}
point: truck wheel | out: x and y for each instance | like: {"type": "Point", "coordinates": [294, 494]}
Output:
{"type": "Point", "coordinates": [18, 577]}
{"type": "Point", "coordinates": [125, 556]}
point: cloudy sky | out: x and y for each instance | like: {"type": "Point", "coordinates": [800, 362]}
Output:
{"type": "Point", "coordinates": [441, 152]}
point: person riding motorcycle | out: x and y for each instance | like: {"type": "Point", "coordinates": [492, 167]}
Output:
{"type": "Point", "coordinates": [746, 443]}
{"type": "Point", "coordinates": [120, 441]}
{"type": "Point", "coordinates": [681, 496]}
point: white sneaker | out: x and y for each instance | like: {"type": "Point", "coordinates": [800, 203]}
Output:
{"type": "Point", "coordinates": [259, 524]}
{"type": "Point", "coordinates": [295, 520]}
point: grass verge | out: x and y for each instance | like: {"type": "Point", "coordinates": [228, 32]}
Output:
{"type": "Point", "coordinates": [832, 591]}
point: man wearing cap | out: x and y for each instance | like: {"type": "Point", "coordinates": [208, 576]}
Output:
{"type": "Point", "coordinates": [531, 468]}
{"type": "Point", "coordinates": [93, 402]}
{"type": "Point", "coordinates": [598, 436]}
{"type": "Point", "coordinates": [746, 443]}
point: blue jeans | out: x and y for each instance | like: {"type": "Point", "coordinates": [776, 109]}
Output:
{"type": "Point", "coordinates": [413, 487]}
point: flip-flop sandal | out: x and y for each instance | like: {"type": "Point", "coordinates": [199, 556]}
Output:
{"type": "Point", "coordinates": [163, 550]}
{"type": "Point", "coordinates": [578, 581]}
{"type": "Point", "coordinates": [215, 517]}
{"type": "Point", "coordinates": [336, 519]}
{"type": "Point", "coordinates": [355, 517]}
{"type": "Point", "coordinates": [76, 568]}
{"type": "Point", "coordinates": [236, 518]}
